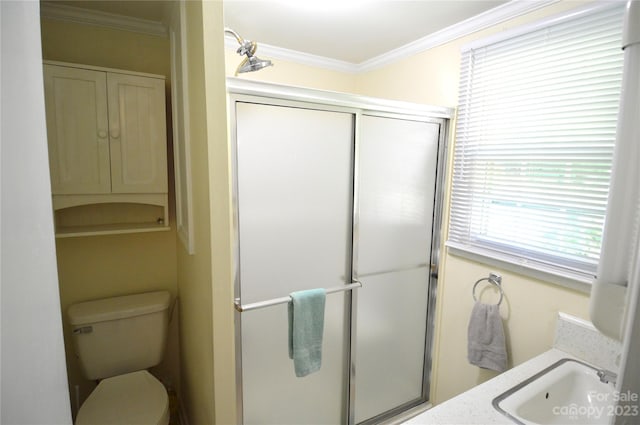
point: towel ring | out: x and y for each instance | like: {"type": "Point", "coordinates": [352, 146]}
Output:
{"type": "Point", "coordinates": [495, 280]}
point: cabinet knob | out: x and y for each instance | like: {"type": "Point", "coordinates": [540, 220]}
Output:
{"type": "Point", "coordinates": [102, 134]}
{"type": "Point", "coordinates": [115, 134]}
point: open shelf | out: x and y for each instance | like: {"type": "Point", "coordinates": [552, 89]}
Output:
{"type": "Point", "coordinates": [108, 229]}
{"type": "Point", "coordinates": [91, 216]}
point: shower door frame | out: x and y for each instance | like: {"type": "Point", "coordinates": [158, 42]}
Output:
{"type": "Point", "coordinates": [252, 98]}
{"type": "Point", "coordinates": [285, 96]}
{"type": "Point", "coordinates": [434, 262]}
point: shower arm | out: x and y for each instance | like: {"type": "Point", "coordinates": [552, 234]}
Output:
{"type": "Point", "coordinates": [247, 47]}
{"type": "Point", "coordinates": [235, 34]}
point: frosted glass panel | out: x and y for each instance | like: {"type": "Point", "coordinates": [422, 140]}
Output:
{"type": "Point", "coordinates": [295, 179]}
{"type": "Point", "coordinates": [397, 175]}
{"type": "Point", "coordinates": [392, 317]}
{"type": "Point", "coordinates": [295, 199]}
{"type": "Point", "coordinates": [271, 392]}
{"type": "Point", "coordinates": [398, 161]}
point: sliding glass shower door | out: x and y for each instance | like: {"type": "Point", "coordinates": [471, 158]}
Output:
{"type": "Point", "coordinates": [325, 194]}
{"type": "Point", "coordinates": [294, 186]}
{"type": "Point", "coordinates": [397, 173]}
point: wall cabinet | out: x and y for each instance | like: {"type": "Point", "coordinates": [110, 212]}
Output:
{"type": "Point", "coordinates": [107, 146]}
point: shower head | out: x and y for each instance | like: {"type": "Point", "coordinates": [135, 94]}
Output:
{"type": "Point", "coordinates": [253, 63]}
{"type": "Point", "coordinates": [248, 48]}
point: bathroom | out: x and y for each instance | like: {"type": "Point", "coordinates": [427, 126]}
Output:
{"type": "Point", "coordinates": [199, 361]}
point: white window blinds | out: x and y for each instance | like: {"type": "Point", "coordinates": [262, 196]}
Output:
{"type": "Point", "coordinates": [534, 143]}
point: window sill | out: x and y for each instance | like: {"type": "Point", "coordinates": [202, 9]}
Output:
{"type": "Point", "coordinates": [572, 280]}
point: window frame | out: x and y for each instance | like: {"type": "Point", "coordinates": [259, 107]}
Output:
{"type": "Point", "coordinates": [506, 256]}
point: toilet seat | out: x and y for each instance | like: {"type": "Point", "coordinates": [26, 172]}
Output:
{"type": "Point", "coordinates": [134, 398]}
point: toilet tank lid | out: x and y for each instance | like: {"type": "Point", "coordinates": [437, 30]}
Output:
{"type": "Point", "coordinates": [118, 307]}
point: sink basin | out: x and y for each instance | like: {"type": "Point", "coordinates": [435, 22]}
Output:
{"type": "Point", "coordinates": [567, 392]}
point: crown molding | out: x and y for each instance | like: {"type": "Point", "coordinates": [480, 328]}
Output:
{"type": "Point", "coordinates": [79, 15]}
{"type": "Point", "coordinates": [492, 17]}
{"type": "Point", "coordinates": [542, 23]}
{"type": "Point", "coordinates": [487, 19]}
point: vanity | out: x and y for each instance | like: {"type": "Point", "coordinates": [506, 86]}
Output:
{"type": "Point", "coordinates": [566, 371]}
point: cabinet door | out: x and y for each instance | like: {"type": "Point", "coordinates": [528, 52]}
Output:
{"type": "Point", "coordinates": [137, 131]}
{"type": "Point", "coordinates": [76, 105]}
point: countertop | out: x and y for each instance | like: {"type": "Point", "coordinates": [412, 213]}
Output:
{"type": "Point", "coordinates": [474, 406]}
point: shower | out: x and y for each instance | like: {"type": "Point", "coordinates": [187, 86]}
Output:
{"type": "Point", "coordinates": [247, 47]}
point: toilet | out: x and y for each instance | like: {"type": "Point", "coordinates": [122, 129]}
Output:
{"type": "Point", "coordinates": [116, 340]}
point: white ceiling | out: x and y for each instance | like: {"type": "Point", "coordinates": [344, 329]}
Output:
{"type": "Point", "coordinates": [347, 30]}
{"type": "Point", "coordinates": [351, 32]}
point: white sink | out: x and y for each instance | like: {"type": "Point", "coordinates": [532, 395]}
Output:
{"type": "Point", "coordinates": [567, 392]}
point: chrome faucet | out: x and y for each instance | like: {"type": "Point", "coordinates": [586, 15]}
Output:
{"type": "Point", "coordinates": [607, 376]}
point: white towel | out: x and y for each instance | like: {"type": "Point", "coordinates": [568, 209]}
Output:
{"type": "Point", "coordinates": [486, 344]}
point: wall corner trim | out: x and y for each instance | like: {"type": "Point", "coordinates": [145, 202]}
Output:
{"type": "Point", "coordinates": [104, 19]}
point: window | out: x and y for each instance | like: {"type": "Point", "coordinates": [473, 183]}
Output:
{"type": "Point", "coordinates": [534, 143]}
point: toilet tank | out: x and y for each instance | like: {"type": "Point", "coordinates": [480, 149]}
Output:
{"type": "Point", "coordinates": [118, 335]}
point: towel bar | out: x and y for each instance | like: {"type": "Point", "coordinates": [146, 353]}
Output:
{"type": "Point", "coordinates": [282, 300]}
{"type": "Point", "coordinates": [495, 280]}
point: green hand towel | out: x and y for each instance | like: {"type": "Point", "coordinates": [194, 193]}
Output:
{"type": "Point", "coordinates": [306, 326]}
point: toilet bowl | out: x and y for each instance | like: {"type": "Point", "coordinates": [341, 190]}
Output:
{"type": "Point", "coordinates": [134, 398]}
{"type": "Point", "coordinates": [117, 339]}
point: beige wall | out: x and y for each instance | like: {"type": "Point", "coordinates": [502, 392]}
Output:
{"type": "Point", "coordinates": [531, 306]}
{"type": "Point", "coordinates": [294, 74]}
{"type": "Point", "coordinates": [529, 311]}
{"type": "Point", "coordinates": [101, 46]}
{"type": "Point", "coordinates": [207, 343]}
{"type": "Point", "coordinates": [103, 266]}
{"type": "Point", "coordinates": [221, 221]}
{"type": "Point", "coordinates": [432, 76]}
{"type": "Point", "coordinates": [194, 272]}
